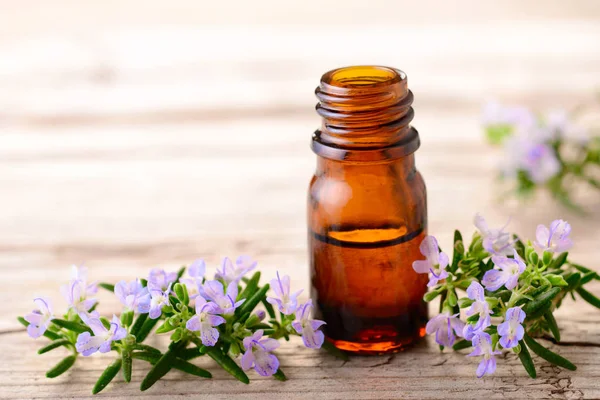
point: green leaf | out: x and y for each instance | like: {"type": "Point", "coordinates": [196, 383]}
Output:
{"type": "Point", "coordinates": [177, 335]}
{"type": "Point", "coordinates": [137, 325]}
{"type": "Point", "coordinates": [492, 302]}
{"type": "Point", "coordinates": [429, 296]}
{"type": "Point", "coordinates": [55, 344]}
{"type": "Point", "coordinates": [105, 322]}
{"type": "Point", "coordinates": [526, 360]}
{"type": "Point", "coordinates": [584, 270]}
{"type": "Point", "coordinates": [587, 277]}
{"type": "Point", "coordinates": [228, 364]}
{"type": "Point", "coordinates": [573, 280]}
{"type": "Point", "coordinates": [165, 327]}
{"type": "Point", "coordinates": [559, 261]}
{"type": "Point", "coordinates": [160, 369]}
{"type": "Point", "coordinates": [62, 367]}
{"type": "Point", "coordinates": [464, 302]}
{"type": "Point", "coordinates": [251, 287]}
{"type": "Point", "coordinates": [260, 326]}
{"type": "Point", "coordinates": [148, 356]}
{"type": "Point", "coordinates": [279, 375]}
{"type": "Point", "coordinates": [126, 366]}
{"type": "Point", "coordinates": [334, 351]}
{"type": "Point", "coordinates": [145, 347]}
{"type": "Point", "coordinates": [269, 308]}
{"type": "Point", "coordinates": [180, 273]}
{"type": "Point", "coordinates": [176, 363]}
{"type": "Point", "coordinates": [442, 300]}
{"type": "Point", "coordinates": [190, 368]}
{"type": "Point", "coordinates": [590, 298]}
{"type": "Point", "coordinates": [459, 250]}
{"type": "Point", "coordinates": [188, 354]}
{"type": "Point", "coordinates": [107, 376]}
{"type": "Point", "coordinates": [244, 318]}
{"type": "Point", "coordinates": [463, 344]}
{"type": "Point", "coordinates": [145, 329]}
{"type": "Point", "coordinates": [107, 286]}
{"type": "Point", "coordinates": [549, 317]}
{"type": "Point", "coordinates": [540, 304]}
{"type": "Point", "coordinates": [71, 326]}
{"type": "Point", "coordinates": [501, 294]}
{"type": "Point", "coordinates": [548, 355]}
{"type": "Point", "coordinates": [253, 301]}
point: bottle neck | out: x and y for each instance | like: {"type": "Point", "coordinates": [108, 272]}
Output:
{"type": "Point", "coordinates": [366, 115]}
{"type": "Point", "coordinates": [400, 167]}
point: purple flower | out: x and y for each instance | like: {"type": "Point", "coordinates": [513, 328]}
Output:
{"type": "Point", "coordinates": [307, 327]}
{"type": "Point", "coordinates": [435, 263]}
{"type": "Point", "coordinates": [258, 354]}
{"type": "Point", "coordinates": [285, 301]}
{"type": "Point", "coordinates": [228, 273]}
{"type": "Point", "coordinates": [80, 273]}
{"type": "Point", "coordinates": [214, 291]}
{"type": "Point", "coordinates": [205, 320]}
{"type": "Point", "coordinates": [133, 295]}
{"type": "Point", "coordinates": [75, 292]}
{"type": "Point", "coordinates": [530, 154]}
{"type": "Point", "coordinates": [495, 241]}
{"type": "Point", "coordinates": [469, 331]}
{"type": "Point", "coordinates": [508, 275]}
{"type": "Point", "coordinates": [482, 342]}
{"type": "Point", "coordinates": [88, 344]}
{"type": "Point", "coordinates": [479, 306]}
{"type": "Point", "coordinates": [445, 326]}
{"type": "Point", "coordinates": [196, 272]}
{"type": "Point", "coordinates": [511, 330]}
{"type": "Point", "coordinates": [39, 319]}
{"type": "Point", "coordinates": [160, 279]}
{"type": "Point", "coordinates": [541, 163]}
{"type": "Point", "coordinates": [556, 239]}
{"type": "Point", "coordinates": [158, 301]}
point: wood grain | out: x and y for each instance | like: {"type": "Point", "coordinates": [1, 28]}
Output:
{"type": "Point", "coordinates": [141, 134]}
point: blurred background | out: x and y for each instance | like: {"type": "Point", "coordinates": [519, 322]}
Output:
{"type": "Point", "coordinates": [138, 134]}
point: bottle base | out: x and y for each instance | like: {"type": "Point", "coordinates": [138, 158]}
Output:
{"type": "Point", "coordinates": [377, 346]}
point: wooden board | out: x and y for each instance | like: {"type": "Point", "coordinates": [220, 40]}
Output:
{"type": "Point", "coordinates": [127, 146]}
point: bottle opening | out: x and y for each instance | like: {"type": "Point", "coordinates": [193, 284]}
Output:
{"type": "Point", "coordinates": [366, 113]}
{"type": "Point", "coordinates": [360, 76]}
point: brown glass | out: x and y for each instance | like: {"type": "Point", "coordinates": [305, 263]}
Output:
{"type": "Point", "coordinates": [367, 212]}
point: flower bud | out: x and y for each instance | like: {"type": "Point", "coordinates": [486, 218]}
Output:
{"type": "Point", "coordinates": [528, 250]}
{"type": "Point", "coordinates": [533, 258]}
{"type": "Point", "coordinates": [261, 314]}
{"type": "Point", "coordinates": [129, 340]}
{"type": "Point", "coordinates": [451, 299]}
{"type": "Point", "coordinates": [547, 257]}
{"type": "Point", "coordinates": [556, 280]}
{"type": "Point", "coordinates": [176, 336]}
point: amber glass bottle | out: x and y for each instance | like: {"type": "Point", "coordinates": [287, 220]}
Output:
{"type": "Point", "coordinates": [367, 212]}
